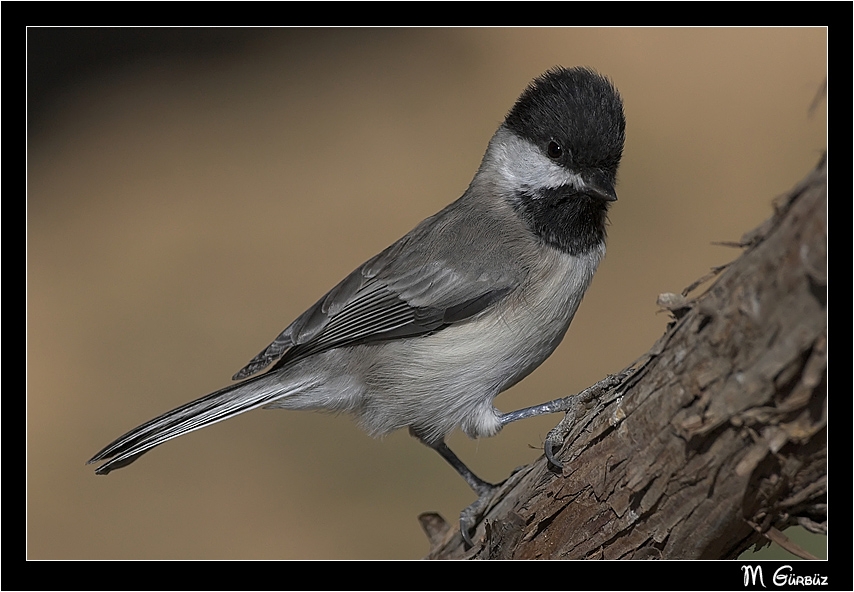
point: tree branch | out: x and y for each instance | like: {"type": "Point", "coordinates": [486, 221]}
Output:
{"type": "Point", "coordinates": [717, 438]}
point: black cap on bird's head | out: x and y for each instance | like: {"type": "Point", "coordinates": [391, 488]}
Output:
{"type": "Point", "coordinates": [576, 117]}
{"type": "Point", "coordinates": [562, 174]}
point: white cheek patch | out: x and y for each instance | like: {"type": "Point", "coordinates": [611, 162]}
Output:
{"type": "Point", "coordinates": [521, 165]}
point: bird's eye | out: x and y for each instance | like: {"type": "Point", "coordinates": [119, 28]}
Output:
{"type": "Point", "coordinates": [554, 150]}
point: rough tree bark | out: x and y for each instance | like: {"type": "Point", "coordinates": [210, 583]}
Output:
{"type": "Point", "coordinates": [716, 440]}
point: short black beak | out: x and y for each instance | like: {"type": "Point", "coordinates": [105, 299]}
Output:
{"type": "Point", "coordinates": [605, 193]}
{"type": "Point", "coordinates": [598, 184]}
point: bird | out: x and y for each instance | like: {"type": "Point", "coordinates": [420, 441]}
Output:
{"type": "Point", "coordinates": [428, 332]}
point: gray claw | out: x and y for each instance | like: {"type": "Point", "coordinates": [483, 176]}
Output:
{"type": "Point", "coordinates": [555, 438]}
{"type": "Point", "coordinates": [471, 515]}
{"type": "Point", "coordinates": [469, 518]}
{"type": "Point", "coordinates": [548, 448]}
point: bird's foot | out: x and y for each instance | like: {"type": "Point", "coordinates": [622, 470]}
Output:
{"type": "Point", "coordinates": [571, 405]}
{"type": "Point", "coordinates": [555, 438]}
{"type": "Point", "coordinates": [474, 513]}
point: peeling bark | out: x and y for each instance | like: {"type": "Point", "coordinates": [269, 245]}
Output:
{"type": "Point", "coordinates": [716, 440]}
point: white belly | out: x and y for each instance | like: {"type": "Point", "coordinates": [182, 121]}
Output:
{"type": "Point", "coordinates": [437, 382]}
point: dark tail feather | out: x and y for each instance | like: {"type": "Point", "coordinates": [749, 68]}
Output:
{"type": "Point", "coordinates": [225, 403]}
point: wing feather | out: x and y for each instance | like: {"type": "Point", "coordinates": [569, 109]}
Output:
{"type": "Point", "coordinates": [417, 286]}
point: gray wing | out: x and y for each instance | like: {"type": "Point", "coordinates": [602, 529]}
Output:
{"type": "Point", "coordinates": [416, 286]}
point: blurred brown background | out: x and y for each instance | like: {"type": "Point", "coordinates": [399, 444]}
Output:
{"type": "Point", "coordinates": [190, 192]}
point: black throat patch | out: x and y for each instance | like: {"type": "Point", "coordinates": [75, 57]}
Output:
{"type": "Point", "coordinates": [564, 218]}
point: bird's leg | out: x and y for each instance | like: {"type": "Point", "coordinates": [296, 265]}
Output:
{"type": "Point", "coordinates": [470, 515]}
{"type": "Point", "coordinates": [481, 487]}
{"type": "Point", "coordinates": [570, 405]}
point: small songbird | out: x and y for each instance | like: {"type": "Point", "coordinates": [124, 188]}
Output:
{"type": "Point", "coordinates": [427, 333]}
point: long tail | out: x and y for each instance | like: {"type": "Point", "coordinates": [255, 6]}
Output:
{"type": "Point", "coordinates": [222, 404]}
